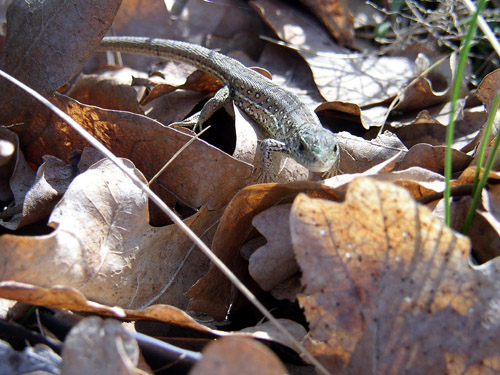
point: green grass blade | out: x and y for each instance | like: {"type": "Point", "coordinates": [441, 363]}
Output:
{"type": "Point", "coordinates": [462, 59]}
{"type": "Point", "coordinates": [487, 168]}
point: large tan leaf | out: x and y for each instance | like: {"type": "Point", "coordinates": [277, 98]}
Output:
{"type": "Point", "coordinates": [197, 177]}
{"type": "Point", "coordinates": [104, 246]}
{"type": "Point", "coordinates": [389, 289]}
{"type": "Point", "coordinates": [359, 78]}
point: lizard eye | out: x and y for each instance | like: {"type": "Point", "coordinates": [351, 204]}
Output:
{"type": "Point", "coordinates": [301, 147]}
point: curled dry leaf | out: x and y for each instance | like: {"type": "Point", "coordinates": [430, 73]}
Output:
{"type": "Point", "coordinates": [16, 176]}
{"type": "Point", "coordinates": [432, 158]}
{"type": "Point", "coordinates": [375, 115]}
{"type": "Point", "coordinates": [52, 179]}
{"type": "Point", "coordinates": [488, 88]}
{"type": "Point", "coordinates": [111, 89]}
{"type": "Point", "coordinates": [71, 299]}
{"type": "Point", "coordinates": [117, 354]}
{"type": "Point", "coordinates": [212, 293]}
{"type": "Point", "coordinates": [389, 289]}
{"type": "Point", "coordinates": [238, 355]}
{"type": "Point", "coordinates": [104, 246]}
{"type": "Point", "coordinates": [268, 331]}
{"type": "Point", "coordinates": [358, 154]}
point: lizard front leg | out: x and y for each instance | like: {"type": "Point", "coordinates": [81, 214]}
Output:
{"type": "Point", "coordinates": [219, 100]}
{"type": "Point", "coordinates": [269, 146]}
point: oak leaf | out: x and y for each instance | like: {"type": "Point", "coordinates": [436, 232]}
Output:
{"type": "Point", "coordinates": [389, 289]}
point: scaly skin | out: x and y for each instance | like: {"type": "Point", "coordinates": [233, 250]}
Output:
{"type": "Point", "coordinates": [294, 129]}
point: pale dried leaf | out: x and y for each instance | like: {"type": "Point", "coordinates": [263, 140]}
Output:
{"type": "Point", "coordinates": [111, 89]}
{"type": "Point", "coordinates": [268, 331]}
{"type": "Point", "coordinates": [336, 72]}
{"type": "Point", "coordinates": [96, 346]}
{"type": "Point", "coordinates": [358, 154]}
{"type": "Point", "coordinates": [104, 246]}
{"type": "Point", "coordinates": [38, 359]}
{"type": "Point", "coordinates": [274, 263]}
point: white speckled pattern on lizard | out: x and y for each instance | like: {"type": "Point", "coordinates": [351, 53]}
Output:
{"type": "Point", "coordinates": [294, 129]}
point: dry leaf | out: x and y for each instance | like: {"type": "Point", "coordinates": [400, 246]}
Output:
{"type": "Point", "coordinates": [238, 355]}
{"type": "Point", "coordinates": [268, 331]}
{"type": "Point", "coordinates": [52, 179]}
{"type": "Point", "coordinates": [212, 293]}
{"type": "Point", "coordinates": [432, 158]}
{"type": "Point", "coordinates": [197, 177]}
{"type": "Point", "coordinates": [59, 41]}
{"type": "Point", "coordinates": [358, 154]}
{"type": "Point", "coordinates": [111, 89]}
{"type": "Point", "coordinates": [389, 289]}
{"type": "Point", "coordinates": [16, 175]}
{"type": "Point", "coordinates": [39, 359]}
{"type": "Point", "coordinates": [337, 73]}
{"type": "Point", "coordinates": [488, 88]}
{"type": "Point", "coordinates": [96, 346]}
{"type": "Point", "coordinates": [104, 245]}
{"type": "Point", "coordinates": [274, 263]}
{"type": "Point", "coordinates": [71, 299]}
{"type": "Point", "coordinates": [335, 15]}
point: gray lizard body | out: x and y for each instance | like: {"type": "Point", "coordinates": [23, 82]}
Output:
{"type": "Point", "coordinates": [294, 129]}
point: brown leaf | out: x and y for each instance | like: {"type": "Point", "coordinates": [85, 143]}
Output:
{"type": "Point", "coordinates": [60, 39]}
{"type": "Point", "coordinates": [52, 179]}
{"type": "Point", "coordinates": [197, 177]}
{"type": "Point", "coordinates": [111, 90]}
{"type": "Point", "coordinates": [488, 88]}
{"type": "Point", "coordinates": [238, 355]}
{"type": "Point", "coordinates": [212, 293]}
{"type": "Point", "coordinates": [358, 154]}
{"type": "Point", "coordinates": [117, 354]}
{"type": "Point", "coordinates": [104, 246]}
{"type": "Point", "coordinates": [389, 289]}
{"type": "Point", "coordinates": [432, 158]}
{"type": "Point", "coordinates": [71, 299]}
{"type": "Point", "coordinates": [358, 78]}
{"type": "Point", "coordinates": [274, 263]}
{"type": "Point", "coordinates": [335, 15]}
{"type": "Point", "coordinates": [268, 331]}
{"type": "Point", "coordinates": [371, 116]}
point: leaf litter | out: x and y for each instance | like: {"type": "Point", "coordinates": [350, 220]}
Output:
{"type": "Point", "coordinates": [385, 287]}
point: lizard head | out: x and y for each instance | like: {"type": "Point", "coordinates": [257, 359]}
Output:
{"type": "Point", "coordinates": [317, 150]}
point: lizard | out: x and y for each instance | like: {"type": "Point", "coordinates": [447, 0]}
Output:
{"type": "Point", "coordinates": [293, 127]}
